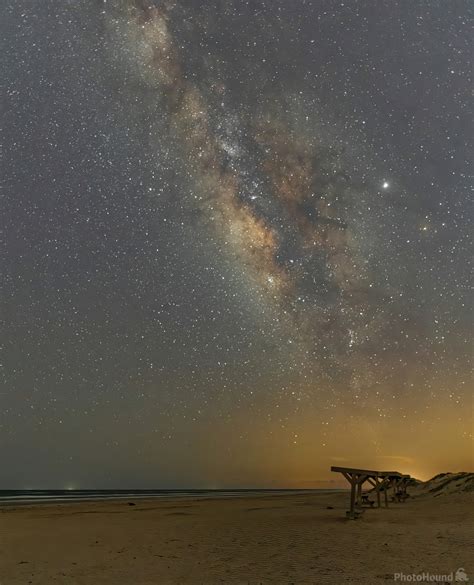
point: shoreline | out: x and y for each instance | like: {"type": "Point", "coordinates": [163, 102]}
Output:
{"type": "Point", "coordinates": [19, 501]}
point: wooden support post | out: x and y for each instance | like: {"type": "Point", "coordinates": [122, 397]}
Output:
{"type": "Point", "coordinates": [376, 483]}
{"type": "Point", "coordinates": [359, 491]}
{"type": "Point", "coordinates": [353, 497]}
{"type": "Point", "coordinates": [395, 486]}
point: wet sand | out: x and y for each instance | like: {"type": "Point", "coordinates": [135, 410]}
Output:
{"type": "Point", "coordinates": [253, 540]}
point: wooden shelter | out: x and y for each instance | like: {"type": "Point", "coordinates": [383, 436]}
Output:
{"type": "Point", "coordinates": [381, 481]}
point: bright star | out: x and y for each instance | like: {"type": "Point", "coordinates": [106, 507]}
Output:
{"type": "Point", "coordinates": [386, 185]}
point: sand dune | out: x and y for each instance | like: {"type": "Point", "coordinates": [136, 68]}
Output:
{"type": "Point", "coordinates": [446, 484]}
{"type": "Point", "coordinates": [271, 540]}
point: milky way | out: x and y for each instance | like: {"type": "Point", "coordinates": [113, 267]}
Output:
{"type": "Point", "coordinates": [280, 201]}
{"type": "Point", "coordinates": [237, 240]}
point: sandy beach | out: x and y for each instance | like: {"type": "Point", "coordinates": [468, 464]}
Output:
{"type": "Point", "coordinates": [291, 539]}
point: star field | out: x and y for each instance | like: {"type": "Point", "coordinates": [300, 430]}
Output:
{"type": "Point", "coordinates": [237, 241]}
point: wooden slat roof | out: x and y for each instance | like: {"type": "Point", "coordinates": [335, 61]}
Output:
{"type": "Point", "coordinates": [367, 472]}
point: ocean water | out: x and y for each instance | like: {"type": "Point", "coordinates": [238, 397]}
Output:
{"type": "Point", "coordinates": [18, 497]}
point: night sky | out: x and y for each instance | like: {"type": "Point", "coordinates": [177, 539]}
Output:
{"type": "Point", "coordinates": [237, 241]}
